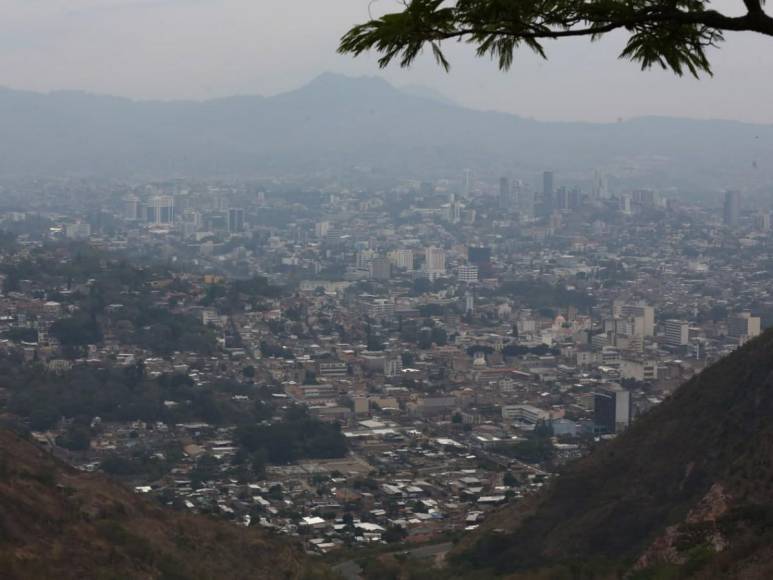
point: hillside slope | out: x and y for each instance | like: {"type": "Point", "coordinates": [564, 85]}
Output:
{"type": "Point", "coordinates": [688, 488]}
{"type": "Point", "coordinates": [56, 522]}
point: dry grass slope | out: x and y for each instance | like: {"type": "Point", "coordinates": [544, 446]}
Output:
{"type": "Point", "coordinates": [56, 522]}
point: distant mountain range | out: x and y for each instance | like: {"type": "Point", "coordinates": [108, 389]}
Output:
{"type": "Point", "coordinates": [337, 124]}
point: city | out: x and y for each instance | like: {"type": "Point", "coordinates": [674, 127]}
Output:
{"type": "Point", "coordinates": [397, 290]}
{"type": "Point", "coordinates": [357, 367]}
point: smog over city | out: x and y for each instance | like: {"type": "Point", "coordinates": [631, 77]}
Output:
{"type": "Point", "coordinates": [449, 289]}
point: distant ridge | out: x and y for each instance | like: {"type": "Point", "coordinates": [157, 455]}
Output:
{"type": "Point", "coordinates": [428, 93]}
{"type": "Point", "coordinates": [336, 123]}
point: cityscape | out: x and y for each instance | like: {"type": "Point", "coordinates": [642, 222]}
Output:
{"type": "Point", "coordinates": [448, 345]}
{"type": "Point", "coordinates": [398, 290]}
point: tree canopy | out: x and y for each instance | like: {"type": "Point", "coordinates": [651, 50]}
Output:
{"type": "Point", "coordinates": [673, 34]}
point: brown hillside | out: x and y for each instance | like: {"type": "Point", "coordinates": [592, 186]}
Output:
{"type": "Point", "coordinates": [56, 522]}
{"type": "Point", "coordinates": [688, 487]}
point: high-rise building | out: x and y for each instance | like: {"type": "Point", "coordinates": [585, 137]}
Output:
{"type": "Point", "coordinates": [235, 220]}
{"type": "Point", "coordinates": [561, 199]}
{"type": "Point", "coordinates": [479, 255]}
{"type": "Point", "coordinates": [160, 210]}
{"type": "Point", "coordinates": [77, 231]}
{"type": "Point", "coordinates": [612, 409]}
{"type": "Point", "coordinates": [575, 198]}
{"type": "Point", "coordinates": [762, 221]}
{"type": "Point", "coordinates": [548, 192]}
{"type": "Point", "coordinates": [744, 326]}
{"type": "Point", "coordinates": [434, 261]}
{"type": "Point", "coordinates": [506, 200]}
{"type": "Point", "coordinates": [380, 269]}
{"type": "Point", "coordinates": [646, 197]}
{"type": "Point", "coordinates": [402, 259]}
{"type": "Point", "coordinates": [192, 216]}
{"type": "Point", "coordinates": [548, 178]}
{"type": "Point", "coordinates": [677, 333]}
{"type": "Point", "coordinates": [526, 202]}
{"type": "Point", "coordinates": [643, 318]}
{"type": "Point", "coordinates": [393, 366]}
{"type": "Point", "coordinates": [600, 188]}
{"type": "Point", "coordinates": [625, 204]}
{"type": "Point", "coordinates": [453, 211]}
{"type": "Point", "coordinates": [381, 308]}
{"type": "Point", "coordinates": [132, 208]}
{"type": "Point", "coordinates": [732, 208]}
{"type": "Point", "coordinates": [516, 189]}
{"type": "Point", "coordinates": [363, 259]}
{"type": "Point", "coordinates": [467, 273]}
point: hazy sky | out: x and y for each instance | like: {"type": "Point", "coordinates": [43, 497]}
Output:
{"type": "Point", "coordinates": [208, 48]}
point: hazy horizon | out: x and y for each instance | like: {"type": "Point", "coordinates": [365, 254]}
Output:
{"type": "Point", "coordinates": [412, 89]}
{"type": "Point", "coordinates": [200, 49]}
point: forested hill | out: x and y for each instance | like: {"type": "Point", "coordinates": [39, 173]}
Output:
{"type": "Point", "coordinates": [56, 522]}
{"type": "Point", "coordinates": [687, 491]}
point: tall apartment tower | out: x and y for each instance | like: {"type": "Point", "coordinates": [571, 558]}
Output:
{"type": "Point", "coordinates": [548, 193]}
{"type": "Point", "coordinates": [160, 210]}
{"type": "Point", "coordinates": [402, 259]}
{"type": "Point", "coordinates": [235, 220]}
{"type": "Point", "coordinates": [762, 221]}
{"type": "Point", "coordinates": [612, 409]}
{"type": "Point", "coordinates": [132, 208]}
{"type": "Point", "coordinates": [677, 333]}
{"type": "Point", "coordinates": [504, 188]}
{"type": "Point", "coordinates": [744, 326]}
{"type": "Point", "coordinates": [732, 208]}
{"type": "Point", "coordinates": [600, 186]}
{"type": "Point", "coordinates": [645, 326]}
{"type": "Point", "coordinates": [435, 261]}
{"type": "Point", "coordinates": [380, 269]}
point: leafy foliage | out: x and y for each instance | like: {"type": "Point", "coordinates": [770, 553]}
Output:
{"type": "Point", "coordinates": [114, 394]}
{"type": "Point", "coordinates": [297, 437]}
{"type": "Point", "coordinates": [673, 34]}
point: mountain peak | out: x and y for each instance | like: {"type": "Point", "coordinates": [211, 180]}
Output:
{"type": "Point", "coordinates": [338, 84]}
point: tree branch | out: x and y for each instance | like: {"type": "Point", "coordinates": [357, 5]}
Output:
{"type": "Point", "coordinates": [671, 33]}
{"type": "Point", "coordinates": [753, 6]}
{"type": "Point", "coordinates": [710, 18]}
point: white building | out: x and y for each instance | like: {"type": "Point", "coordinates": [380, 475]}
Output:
{"type": "Point", "coordinates": [381, 308]}
{"type": "Point", "coordinates": [467, 273]}
{"type": "Point", "coordinates": [677, 333]}
{"type": "Point", "coordinates": [77, 231]}
{"type": "Point", "coordinates": [524, 413]}
{"type": "Point", "coordinates": [744, 326]}
{"type": "Point", "coordinates": [639, 369]}
{"type": "Point", "coordinates": [434, 261]}
{"type": "Point", "coordinates": [402, 259]}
